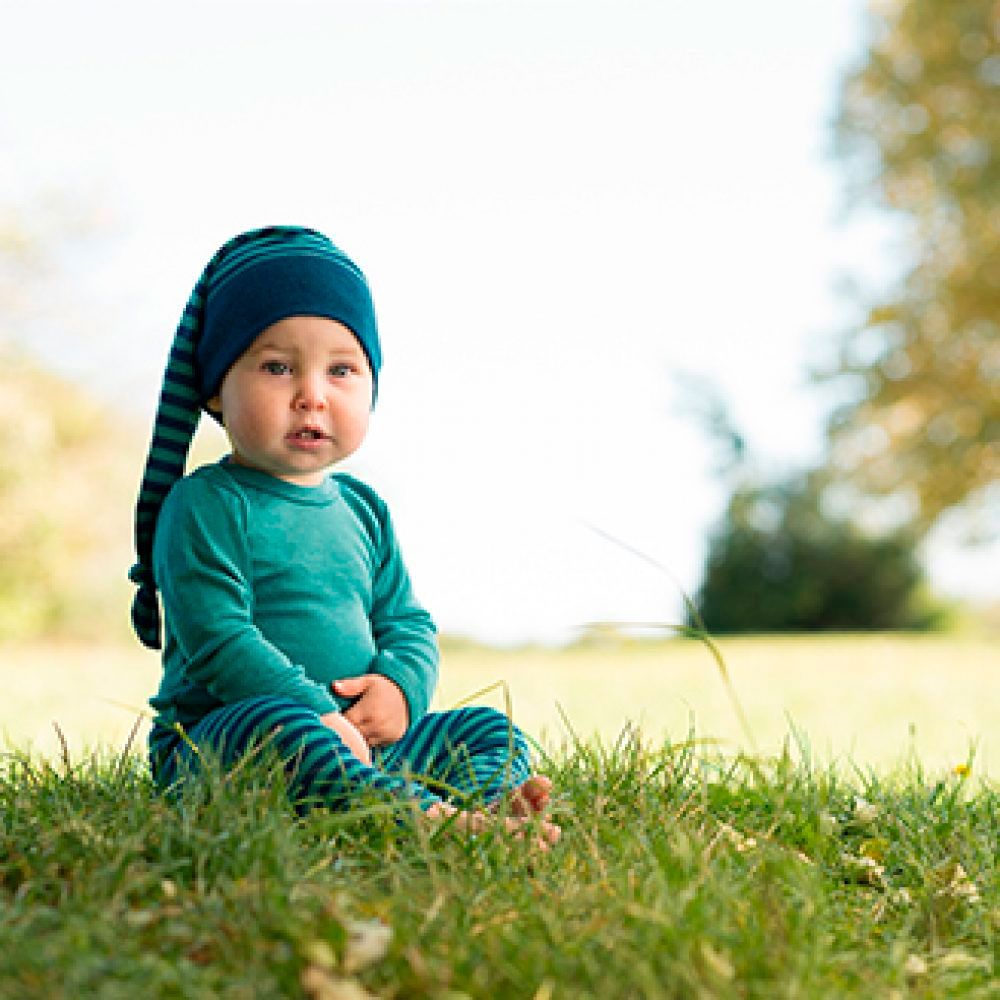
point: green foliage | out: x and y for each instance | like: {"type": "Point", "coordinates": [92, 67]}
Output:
{"type": "Point", "coordinates": [66, 465]}
{"type": "Point", "coordinates": [63, 506]}
{"type": "Point", "coordinates": [920, 123]}
{"type": "Point", "coordinates": [779, 562]}
{"type": "Point", "coordinates": [679, 874]}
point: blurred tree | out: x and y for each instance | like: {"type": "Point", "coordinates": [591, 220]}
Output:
{"type": "Point", "coordinates": [66, 468]}
{"type": "Point", "coordinates": [63, 507]}
{"type": "Point", "coordinates": [782, 558]}
{"type": "Point", "coordinates": [779, 562]}
{"type": "Point", "coordinates": [919, 123]}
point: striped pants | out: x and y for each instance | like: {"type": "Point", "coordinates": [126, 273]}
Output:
{"type": "Point", "coordinates": [468, 754]}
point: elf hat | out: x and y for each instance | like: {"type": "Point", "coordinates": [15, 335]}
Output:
{"type": "Point", "coordinates": [256, 279]}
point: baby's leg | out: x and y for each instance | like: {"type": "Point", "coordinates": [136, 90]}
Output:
{"type": "Point", "coordinates": [474, 751]}
{"type": "Point", "coordinates": [321, 769]}
{"type": "Point", "coordinates": [480, 754]}
{"type": "Point", "coordinates": [349, 733]}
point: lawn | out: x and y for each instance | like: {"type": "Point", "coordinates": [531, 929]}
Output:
{"type": "Point", "coordinates": [870, 700]}
{"type": "Point", "coordinates": [685, 869]}
{"type": "Point", "coordinates": [678, 875]}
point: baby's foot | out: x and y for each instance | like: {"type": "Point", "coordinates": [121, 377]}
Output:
{"type": "Point", "coordinates": [542, 834]}
{"type": "Point", "coordinates": [530, 798]}
{"type": "Point", "coordinates": [527, 802]}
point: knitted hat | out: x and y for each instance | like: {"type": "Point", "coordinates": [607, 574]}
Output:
{"type": "Point", "coordinates": [253, 281]}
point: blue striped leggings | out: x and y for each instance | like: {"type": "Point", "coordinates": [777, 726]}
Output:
{"type": "Point", "coordinates": [468, 754]}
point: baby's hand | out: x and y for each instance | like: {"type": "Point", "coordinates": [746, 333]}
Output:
{"type": "Point", "coordinates": [380, 713]}
{"type": "Point", "coordinates": [348, 732]}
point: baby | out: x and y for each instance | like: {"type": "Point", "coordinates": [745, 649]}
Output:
{"type": "Point", "coordinates": [288, 613]}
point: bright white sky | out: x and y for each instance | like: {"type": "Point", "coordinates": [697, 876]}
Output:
{"type": "Point", "coordinates": [560, 207]}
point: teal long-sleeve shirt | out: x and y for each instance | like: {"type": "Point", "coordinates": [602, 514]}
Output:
{"type": "Point", "coordinates": [278, 589]}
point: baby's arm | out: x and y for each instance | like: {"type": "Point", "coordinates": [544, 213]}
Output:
{"type": "Point", "coordinates": [349, 733]}
{"type": "Point", "coordinates": [404, 632]}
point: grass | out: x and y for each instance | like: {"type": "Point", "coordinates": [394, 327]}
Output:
{"type": "Point", "coordinates": [681, 874]}
{"type": "Point", "coordinates": [687, 868]}
{"type": "Point", "coordinates": [876, 699]}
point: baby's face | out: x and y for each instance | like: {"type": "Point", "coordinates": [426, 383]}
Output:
{"type": "Point", "coordinates": [297, 400]}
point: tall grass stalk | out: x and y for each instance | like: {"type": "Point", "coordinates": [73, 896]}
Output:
{"type": "Point", "coordinates": [699, 631]}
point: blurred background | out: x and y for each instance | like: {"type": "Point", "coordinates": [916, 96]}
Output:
{"type": "Point", "coordinates": [675, 298]}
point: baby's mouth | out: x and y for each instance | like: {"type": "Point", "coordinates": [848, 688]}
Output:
{"type": "Point", "coordinates": [307, 434]}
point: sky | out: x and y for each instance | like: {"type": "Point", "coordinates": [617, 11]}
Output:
{"type": "Point", "coordinates": [566, 211]}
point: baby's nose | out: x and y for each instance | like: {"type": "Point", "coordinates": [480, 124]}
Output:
{"type": "Point", "coordinates": [310, 395]}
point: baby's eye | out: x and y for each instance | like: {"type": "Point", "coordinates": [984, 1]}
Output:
{"type": "Point", "coordinates": [340, 371]}
{"type": "Point", "coordinates": [275, 367]}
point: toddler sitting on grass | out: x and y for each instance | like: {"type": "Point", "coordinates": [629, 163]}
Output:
{"type": "Point", "coordinates": [288, 614]}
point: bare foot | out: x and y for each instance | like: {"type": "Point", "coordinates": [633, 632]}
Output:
{"type": "Point", "coordinates": [530, 798]}
{"type": "Point", "coordinates": [528, 802]}
{"type": "Point", "coordinates": [541, 834]}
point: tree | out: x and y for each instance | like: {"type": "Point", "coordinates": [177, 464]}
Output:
{"type": "Point", "coordinates": [778, 561]}
{"type": "Point", "coordinates": [65, 484]}
{"type": "Point", "coordinates": [782, 558]}
{"type": "Point", "coordinates": [920, 121]}
{"type": "Point", "coordinates": [67, 466]}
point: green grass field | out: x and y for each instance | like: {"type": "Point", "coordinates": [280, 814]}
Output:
{"type": "Point", "coordinates": [685, 869]}
{"type": "Point", "coordinates": [867, 700]}
{"type": "Point", "coordinates": [678, 875]}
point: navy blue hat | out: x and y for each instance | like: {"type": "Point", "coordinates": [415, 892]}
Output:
{"type": "Point", "coordinates": [253, 281]}
{"type": "Point", "coordinates": [280, 273]}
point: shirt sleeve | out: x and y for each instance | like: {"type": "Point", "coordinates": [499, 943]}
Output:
{"type": "Point", "coordinates": [403, 631]}
{"type": "Point", "coordinates": [202, 567]}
